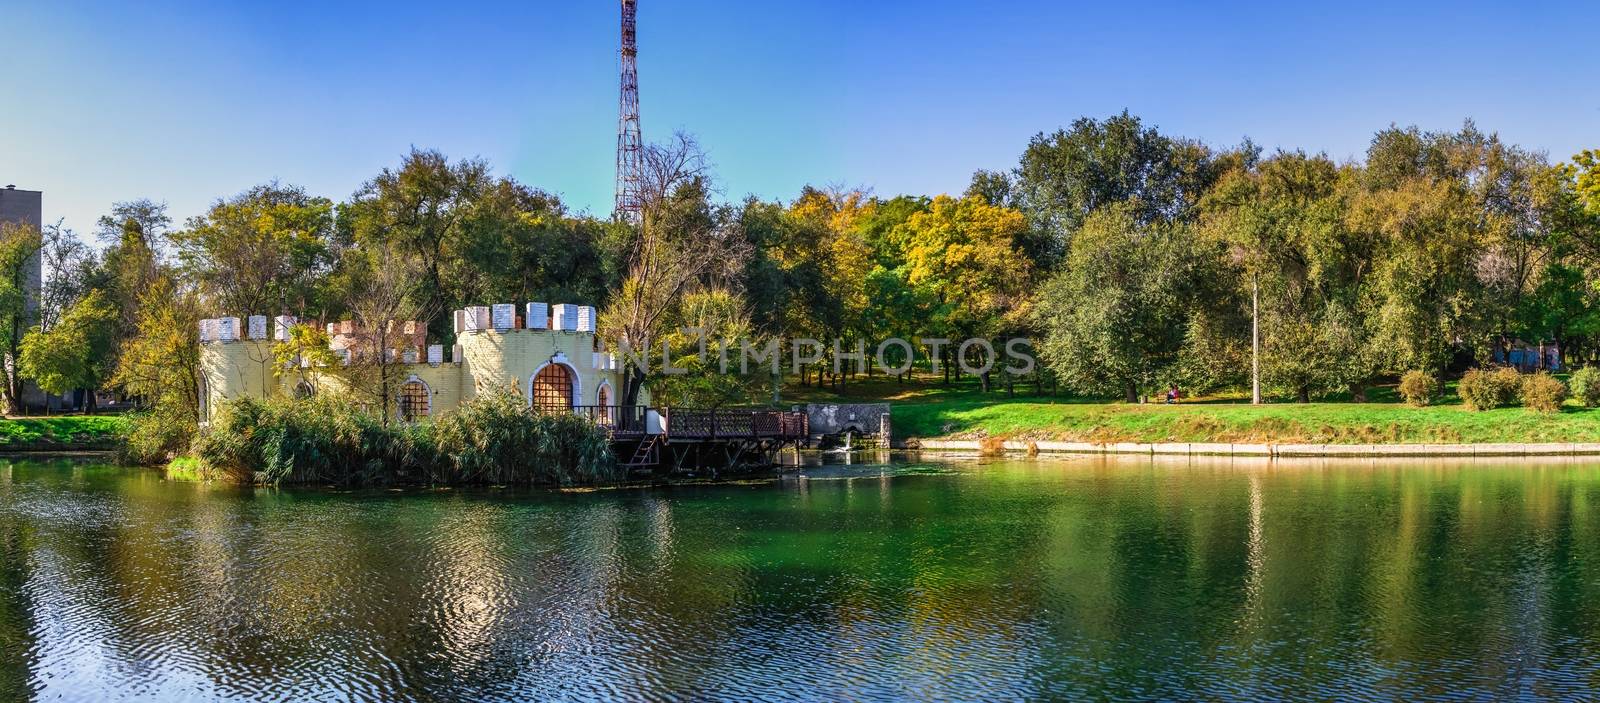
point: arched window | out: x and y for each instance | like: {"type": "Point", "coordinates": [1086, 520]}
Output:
{"type": "Point", "coordinates": [552, 388]}
{"type": "Point", "coordinates": [413, 401]}
{"type": "Point", "coordinates": [603, 399]}
{"type": "Point", "coordinates": [304, 390]}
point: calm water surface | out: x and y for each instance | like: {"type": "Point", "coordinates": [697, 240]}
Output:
{"type": "Point", "coordinates": [1103, 578]}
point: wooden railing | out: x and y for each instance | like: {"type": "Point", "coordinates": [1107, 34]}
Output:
{"type": "Point", "coordinates": [697, 423]}
{"type": "Point", "coordinates": [736, 423]}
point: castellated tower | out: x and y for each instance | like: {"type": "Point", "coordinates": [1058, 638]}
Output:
{"type": "Point", "coordinates": [548, 354]}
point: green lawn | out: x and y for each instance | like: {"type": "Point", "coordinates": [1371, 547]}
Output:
{"type": "Point", "coordinates": [961, 412]}
{"type": "Point", "coordinates": [63, 429]}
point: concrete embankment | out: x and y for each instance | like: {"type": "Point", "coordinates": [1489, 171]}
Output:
{"type": "Point", "coordinates": [1220, 449]}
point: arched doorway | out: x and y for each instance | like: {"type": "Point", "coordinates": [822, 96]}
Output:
{"type": "Point", "coordinates": [414, 401]}
{"type": "Point", "coordinates": [552, 388]}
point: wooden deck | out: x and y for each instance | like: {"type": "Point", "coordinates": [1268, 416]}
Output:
{"type": "Point", "coordinates": [677, 439]}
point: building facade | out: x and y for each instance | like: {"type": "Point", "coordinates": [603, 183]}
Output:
{"type": "Point", "coordinates": [26, 208]}
{"type": "Point", "coordinates": [548, 354]}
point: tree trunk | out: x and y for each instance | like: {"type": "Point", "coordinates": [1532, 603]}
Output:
{"type": "Point", "coordinates": [1358, 392]}
{"type": "Point", "coordinates": [1131, 393]}
{"type": "Point", "coordinates": [1303, 395]}
{"type": "Point", "coordinates": [1255, 342]}
{"type": "Point", "coordinates": [631, 383]}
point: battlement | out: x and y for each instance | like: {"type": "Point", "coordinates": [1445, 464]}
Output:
{"type": "Point", "coordinates": [505, 317]}
{"type": "Point", "coordinates": [408, 338]}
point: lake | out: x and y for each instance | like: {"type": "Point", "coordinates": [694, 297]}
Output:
{"type": "Point", "coordinates": [927, 580]}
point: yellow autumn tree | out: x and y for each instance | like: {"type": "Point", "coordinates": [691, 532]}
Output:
{"type": "Point", "coordinates": [963, 254]}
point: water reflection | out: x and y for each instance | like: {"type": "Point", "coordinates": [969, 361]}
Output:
{"type": "Point", "coordinates": [1096, 577]}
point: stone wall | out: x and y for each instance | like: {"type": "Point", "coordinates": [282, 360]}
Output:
{"type": "Point", "coordinates": [495, 349]}
{"type": "Point", "coordinates": [863, 418]}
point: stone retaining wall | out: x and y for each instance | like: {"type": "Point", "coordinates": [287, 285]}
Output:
{"type": "Point", "coordinates": [833, 418]}
{"type": "Point", "coordinates": [1217, 449]}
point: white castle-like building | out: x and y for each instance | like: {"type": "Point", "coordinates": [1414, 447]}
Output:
{"type": "Point", "coordinates": [549, 353]}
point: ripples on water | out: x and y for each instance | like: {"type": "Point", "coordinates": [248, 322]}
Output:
{"type": "Point", "coordinates": [1006, 580]}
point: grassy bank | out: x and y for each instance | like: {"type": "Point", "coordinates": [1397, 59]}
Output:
{"type": "Point", "coordinates": [63, 432]}
{"type": "Point", "coordinates": [962, 412]}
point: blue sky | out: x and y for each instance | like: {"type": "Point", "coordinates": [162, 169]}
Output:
{"type": "Point", "coordinates": [191, 101]}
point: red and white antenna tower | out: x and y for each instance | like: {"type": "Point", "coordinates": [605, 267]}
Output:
{"type": "Point", "coordinates": [629, 142]}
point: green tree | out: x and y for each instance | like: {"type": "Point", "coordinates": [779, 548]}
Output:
{"type": "Point", "coordinates": [1300, 268]}
{"type": "Point", "coordinates": [262, 252]}
{"type": "Point", "coordinates": [525, 246]}
{"type": "Point", "coordinates": [422, 214]}
{"type": "Point", "coordinates": [709, 322]}
{"type": "Point", "coordinates": [160, 363]}
{"type": "Point", "coordinates": [131, 267]}
{"type": "Point", "coordinates": [77, 351]}
{"type": "Point", "coordinates": [19, 249]}
{"type": "Point", "coordinates": [1423, 279]}
{"type": "Point", "coordinates": [1066, 176]}
{"type": "Point", "coordinates": [1116, 316]}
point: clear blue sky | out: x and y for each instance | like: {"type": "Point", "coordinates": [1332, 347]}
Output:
{"type": "Point", "coordinates": [190, 101]}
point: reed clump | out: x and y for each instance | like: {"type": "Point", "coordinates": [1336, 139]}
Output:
{"type": "Point", "coordinates": [491, 440]}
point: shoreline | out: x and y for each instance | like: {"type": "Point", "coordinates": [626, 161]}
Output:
{"type": "Point", "coordinates": [1260, 450]}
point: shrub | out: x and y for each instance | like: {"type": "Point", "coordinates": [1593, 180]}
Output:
{"type": "Point", "coordinates": [1487, 390]}
{"type": "Point", "coordinates": [1418, 388]}
{"type": "Point", "coordinates": [1585, 385]}
{"type": "Point", "coordinates": [1543, 393]}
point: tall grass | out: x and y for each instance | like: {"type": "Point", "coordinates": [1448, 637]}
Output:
{"type": "Point", "coordinates": [492, 440]}
{"type": "Point", "coordinates": [156, 436]}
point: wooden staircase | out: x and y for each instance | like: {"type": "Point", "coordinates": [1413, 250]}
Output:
{"type": "Point", "coordinates": [647, 456]}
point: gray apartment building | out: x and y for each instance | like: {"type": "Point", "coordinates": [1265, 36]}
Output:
{"type": "Point", "coordinates": [26, 207]}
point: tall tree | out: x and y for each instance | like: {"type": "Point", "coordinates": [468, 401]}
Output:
{"type": "Point", "coordinates": [525, 246]}
{"type": "Point", "coordinates": [1066, 176]}
{"type": "Point", "coordinates": [160, 363]}
{"type": "Point", "coordinates": [1115, 317]}
{"type": "Point", "coordinates": [19, 245]}
{"type": "Point", "coordinates": [966, 255]}
{"type": "Point", "coordinates": [264, 251]}
{"type": "Point", "coordinates": [77, 351]}
{"type": "Point", "coordinates": [1283, 219]}
{"type": "Point", "coordinates": [373, 368]}
{"type": "Point", "coordinates": [421, 212]}
{"type": "Point", "coordinates": [681, 245]}
{"type": "Point", "coordinates": [150, 217]}
{"type": "Point", "coordinates": [70, 270]}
